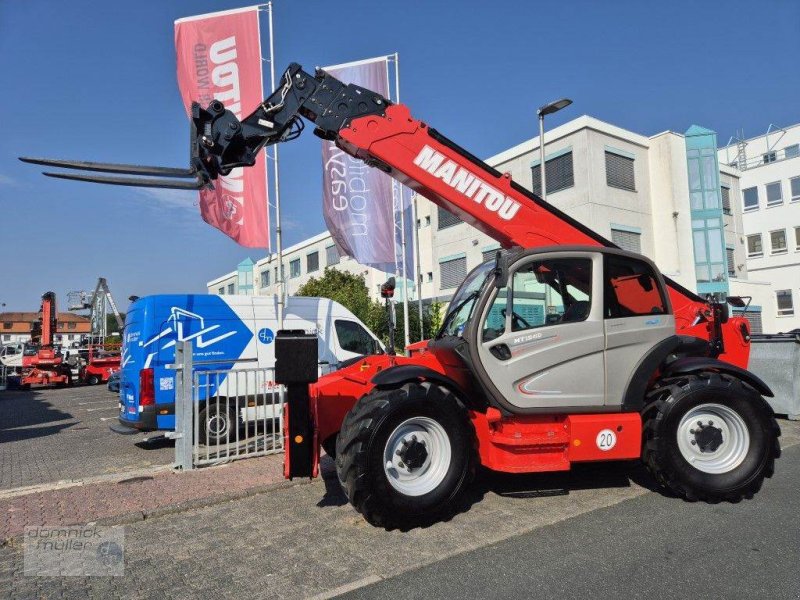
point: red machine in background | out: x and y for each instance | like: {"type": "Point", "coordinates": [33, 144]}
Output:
{"type": "Point", "coordinates": [102, 360]}
{"type": "Point", "coordinates": [41, 363]}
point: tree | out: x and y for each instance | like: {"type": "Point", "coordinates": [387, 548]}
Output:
{"type": "Point", "coordinates": [351, 291]}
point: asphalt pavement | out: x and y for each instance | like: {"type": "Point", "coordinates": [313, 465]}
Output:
{"type": "Point", "coordinates": [650, 546]}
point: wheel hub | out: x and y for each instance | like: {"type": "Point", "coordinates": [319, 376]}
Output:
{"type": "Point", "coordinates": [707, 437]}
{"type": "Point", "coordinates": [413, 453]}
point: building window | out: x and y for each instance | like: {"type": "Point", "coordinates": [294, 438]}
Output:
{"type": "Point", "coordinates": [312, 262]}
{"type": "Point", "coordinates": [794, 184]}
{"type": "Point", "coordinates": [430, 276]}
{"type": "Point", "coordinates": [754, 247]}
{"type": "Point", "coordinates": [731, 260]}
{"type": "Point", "coordinates": [777, 240]}
{"type": "Point", "coordinates": [750, 198]}
{"type": "Point", "coordinates": [489, 254]}
{"type": "Point", "coordinates": [619, 172]}
{"type": "Point", "coordinates": [774, 194]}
{"type": "Point", "coordinates": [221, 291]}
{"type": "Point", "coordinates": [294, 268]}
{"type": "Point", "coordinates": [769, 157]}
{"type": "Point", "coordinates": [265, 278]}
{"type": "Point", "coordinates": [452, 272]}
{"type": "Point", "coordinates": [331, 255]}
{"type": "Point", "coordinates": [627, 240]}
{"type": "Point", "coordinates": [559, 174]}
{"type": "Point", "coordinates": [231, 288]}
{"type": "Point", "coordinates": [447, 219]}
{"type": "Point", "coordinates": [791, 151]}
{"type": "Point", "coordinates": [726, 200]}
{"type": "Point", "coordinates": [709, 255]}
{"type": "Point", "coordinates": [7, 325]}
{"type": "Point", "coordinates": [428, 221]}
{"type": "Point", "coordinates": [785, 304]}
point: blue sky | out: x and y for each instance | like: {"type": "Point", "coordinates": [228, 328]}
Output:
{"type": "Point", "coordinates": [96, 80]}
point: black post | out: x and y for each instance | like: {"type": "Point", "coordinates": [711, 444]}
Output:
{"type": "Point", "coordinates": [387, 292]}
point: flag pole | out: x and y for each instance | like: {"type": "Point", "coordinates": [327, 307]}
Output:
{"type": "Point", "coordinates": [278, 230]}
{"type": "Point", "coordinates": [402, 217]}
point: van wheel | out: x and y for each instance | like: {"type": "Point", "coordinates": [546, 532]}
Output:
{"type": "Point", "coordinates": [404, 455]}
{"type": "Point", "coordinates": [709, 437]}
{"type": "Point", "coordinates": [218, 424]}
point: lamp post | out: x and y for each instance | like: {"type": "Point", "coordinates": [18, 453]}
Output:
{"type": "Point", "coordinates": [547, 109]}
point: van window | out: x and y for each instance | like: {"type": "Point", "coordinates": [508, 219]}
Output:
{"type": "Point", "coordinates": [354, 338]}
{"type": "Point", "coordinates": [631, 288]}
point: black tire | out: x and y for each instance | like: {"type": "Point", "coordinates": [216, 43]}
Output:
{"type": "Point", "coordinates": [218, 424]}
{"type": "Point", "coordinates": [674, 398]}
{"type": "Point", "coordinates": [93, 380]}
{"type": "Point", "coordinates": [329, 445]}
{"type": "Point", "coordinates": [360, 453]}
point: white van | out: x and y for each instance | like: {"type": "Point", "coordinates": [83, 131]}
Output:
{"type": "Point", "coordinates": [228, 333]}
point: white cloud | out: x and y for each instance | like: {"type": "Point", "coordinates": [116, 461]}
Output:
{"type": "Point", "coordinates": [6, 180]}
{"type": "Point", "coordinates": [172, 199]}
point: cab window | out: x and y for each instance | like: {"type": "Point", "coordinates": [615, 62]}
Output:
{"type": "Point", "coordinates": [631, 288]}
{"type": "Point", "coordinates": [544, 292]}
{"type": "Point", "coordinates": [354, 338]}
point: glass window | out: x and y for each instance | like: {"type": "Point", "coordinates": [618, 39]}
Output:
{"type": "Point", "coordinates": [427, 221]}
{"type": "Point", "coordinates": [619, 172]}
{"type": "Point", "coordinates": [446, 219]}
{"type": "Point", "coordinates": [354, 338]}
{"type": "Point", "coordinates": [627, 240]}
{"type": "Point", "coordinates": [495, 324]}
{"type": "Point", "coordinates": [754, 247]}
{"type": "Point", "coordinates": [750, 198]}
{"type": "Point", "coordinates": [452, 272]}
{"type": "Point", "coordinates": [726, 199]}
{"type": "Point", "coordinates": [731, 260]}
{"type": "Point", "coordinates": [294, 268]}
{"type": "Point", "coordinates": [430, 276]}
{"type": "Point", "coordinates": [312, 262]}
{"type": "Point", "coordinates": [777, 240]}
{"type": "Point", "coordinates": [797, 238]}
{"type": "Point", "coordinates": [264, 279]}
{"type": "Point", "coordinates": [559, 172]}
{"type": "Point", "coordinates": [769, 157]}
{"type": "Point", "coordinates": [221, 291]}
{"type": "Point", "coordinates": [795, 185]}
{"type": "Point", "coordinates": [460, 308]}
{"type": "Point", "coordinates": [631, 289]}
{"type": "Point", "coordinates": [785, 304]}
{"type": "Point", "coordinates": [231, 288]}
{"type": "Point", "coordinates": [792, 151]}
{"type": "Point", "coordinates": [331, 255]}
{"type": "Point", "coordinates": [774, 195]}
{"type": "Point", "coordinates": [551, 291]}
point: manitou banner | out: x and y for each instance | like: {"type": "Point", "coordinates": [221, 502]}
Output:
{"type": "Point", "coordinates": [357, 199]}
{"type": "Point", "coordinates": [219, 57]}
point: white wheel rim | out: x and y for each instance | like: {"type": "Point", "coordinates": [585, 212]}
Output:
{"type": "Point", "coordinates": [424, 478]}
{"type": "Point", "coordinates": [217, 426]}
{"type": "Point", "coordinates": [729, 454]}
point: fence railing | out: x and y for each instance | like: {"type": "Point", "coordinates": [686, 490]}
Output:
{"type": "Point", "coordinates": [224, 414]}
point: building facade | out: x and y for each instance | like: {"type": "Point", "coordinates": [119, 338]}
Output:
{"type": "Point", "coordinates": [769, 171]}
{"type": "Point", "coordinates": [665, 196]}
{"type": "Point", "coordinates": [15, 327]}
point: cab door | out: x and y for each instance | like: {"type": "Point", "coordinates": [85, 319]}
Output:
{"type": "Point", "coordinates": [541, 342]}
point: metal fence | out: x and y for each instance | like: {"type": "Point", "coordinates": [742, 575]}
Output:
{"type": "Point", "coordinates": [3, 377]}
{"type": "Point", "coordinates": [224, 414]}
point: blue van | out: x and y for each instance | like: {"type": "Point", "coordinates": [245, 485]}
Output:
{"type": "Point", "coordinates": [228, 332]}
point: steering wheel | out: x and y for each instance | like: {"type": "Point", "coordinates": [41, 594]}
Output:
{"type": "Point", "coordinates": [516, 320]}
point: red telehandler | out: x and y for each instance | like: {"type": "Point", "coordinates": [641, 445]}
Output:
{"type": "Point", "coordinates": [563, 349]}
{"type": "Point", "coordinates": [41, 364]}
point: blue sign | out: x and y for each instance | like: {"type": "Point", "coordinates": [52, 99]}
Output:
{"type": "Point", "coordinates": [266, 335]}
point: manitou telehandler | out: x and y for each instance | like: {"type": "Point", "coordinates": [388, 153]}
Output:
{"type": "Point", "coordinates": [42, 363]}
{"type": "Point", "coordinates": [563, 349]}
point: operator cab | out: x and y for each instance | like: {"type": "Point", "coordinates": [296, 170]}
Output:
{"type": "Point", "coordinates": [561, 327]}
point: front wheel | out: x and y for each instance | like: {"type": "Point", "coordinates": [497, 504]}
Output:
{"type": "Point", "coordinates": [709, 437]}
{"type": "Point", "coordinates": [404, 455]}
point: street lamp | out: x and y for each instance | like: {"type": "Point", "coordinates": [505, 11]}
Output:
{"type": "Point", "coordinates": [547, 109]}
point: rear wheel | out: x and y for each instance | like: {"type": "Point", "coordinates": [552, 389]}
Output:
{"type": "Point", "coordinates": [403, 456]}
{"type": "Point", "coordinates": [218, 424]}
{"type": "Point", "coordinates": [709, 437]}
{"type": "Point", "coordinates": [93, 379]}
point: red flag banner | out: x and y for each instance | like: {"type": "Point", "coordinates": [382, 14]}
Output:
{"type": "Point", "coordinates": [219, 57]}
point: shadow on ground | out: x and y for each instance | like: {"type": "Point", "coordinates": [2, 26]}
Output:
{"type": "Point", "coordinates": [22, 411]}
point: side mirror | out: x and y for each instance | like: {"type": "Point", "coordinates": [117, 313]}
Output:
{"type": "Point", "coordinates": [500, 271]}
{"type": "Point", "coordinates": [737, 301]}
